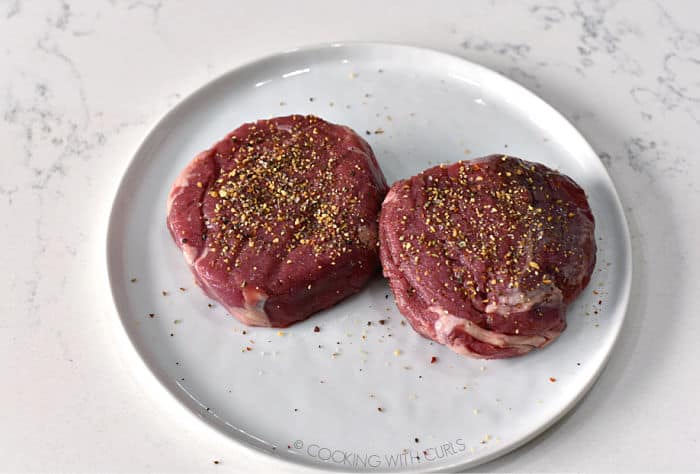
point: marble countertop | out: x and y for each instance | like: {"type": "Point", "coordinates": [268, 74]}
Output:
{"type": "Point", "coordinates": [83, 81]}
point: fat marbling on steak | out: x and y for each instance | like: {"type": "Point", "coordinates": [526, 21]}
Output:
{"type": "Point", "coordinates": [484, 255]}
{"type": "Point", "coordinates": [279, 219]}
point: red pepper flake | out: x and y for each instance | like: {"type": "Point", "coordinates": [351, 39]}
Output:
{"type": "Point", "coordinates": [382, 322]}
{"type": "Point", "coordinates": [369, 323]}
{"type": "Point", "coordinates": [317, 329]}
{"type": "Point", "coordinates": [600, 301]}
{"type": "Point", "coordinates": [380, 409]}
{"type": "Point", "coordinates": [165, 293]}
{"type": "Point", "coordinates": [552, 379]}
{"type": "Point", "coordinates": [134, 280]}
{"type": "Point", "coordinates": [210, 305]}
{"type": "Point", "coordinates": [248, 349]}
{"type": "Point", "coordinates": [172, 335]}
{"type": "Point", "coordinates": [433, 359]}
{"type": "Point", "coordinates": [151, 315]}
{"type": "Point", "coordinates": [416, 440]}
{"type": "Point", "coordinates": [183, 289]}
{"type": "Point", "coordinates": [217, 462]}
{"type": "Point", "coordinates": [244, 332]}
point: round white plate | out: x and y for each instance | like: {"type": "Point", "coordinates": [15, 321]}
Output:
{"type": "Point", "coordinates": [315, 398]}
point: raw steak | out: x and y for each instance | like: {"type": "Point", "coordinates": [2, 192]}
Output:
{"type": "Point", "coordinates": [484, 255]}
{"type": "Point", "coordinates": [279, 219]}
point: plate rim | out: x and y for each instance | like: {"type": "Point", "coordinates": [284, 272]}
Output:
{"type": "Point", "coordinates": [504, 449]}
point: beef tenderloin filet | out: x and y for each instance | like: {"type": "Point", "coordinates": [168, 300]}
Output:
{"type": "Point", "coordinates": [484, 255]}
{"type": "Point", "coordinates": [279, 219]}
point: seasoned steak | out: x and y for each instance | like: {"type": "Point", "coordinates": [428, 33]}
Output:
{"type": "Point", "coordinates": [484, 255]}
{"type": "Point", "coordinates": [279, 219]}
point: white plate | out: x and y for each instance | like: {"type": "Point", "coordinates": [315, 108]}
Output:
{"type": "Point", "coordinates": [290, 396]}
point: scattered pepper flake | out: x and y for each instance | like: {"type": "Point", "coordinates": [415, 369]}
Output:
{"type": "Point", "coordinates": [134, 280]}
{"type": "Point", "coordinates": [433, 359]}
{"type": "Point", "coordinates": [552, 379]}
{"type": "Point", "coordinates": [317, 329]}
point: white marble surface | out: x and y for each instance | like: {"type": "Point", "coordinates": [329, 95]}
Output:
{"type": "Point", "coordinates": [81, 83]}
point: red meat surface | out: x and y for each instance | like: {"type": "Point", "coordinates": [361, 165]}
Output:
{"type": "Point", "coordinates": [484, 255]}
{"type": "Point", "coordinates": [279, 219]}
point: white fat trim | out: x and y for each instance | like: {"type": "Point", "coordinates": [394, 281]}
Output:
{"type": "Point", "coordinates": [447, 323]}
{"type": "Point", "coordinates": [513, 300]}
{"type": "Point", "coordinates": [190, 253]}
{"type": "Point", "coordinates": [390, 196]}
{"type": "Point", "coordinates": [253, 311]}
